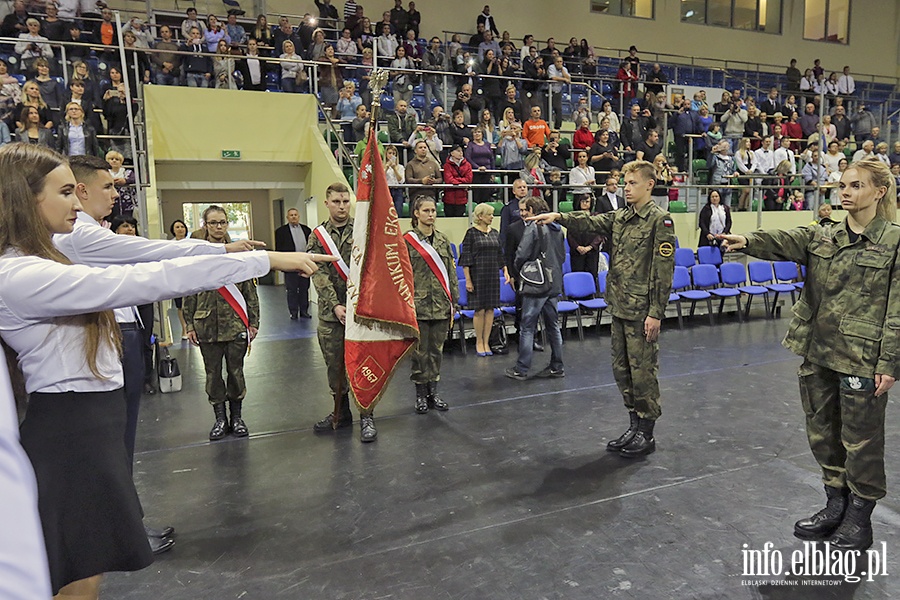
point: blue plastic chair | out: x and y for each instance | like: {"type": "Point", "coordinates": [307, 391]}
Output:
{"type": "Point", "coordinates": [507, 298]}
{"type": "Point", "coordinates": [567, 265]}
{"type": "Point", "coordinates": [705, 278]}
{"type": "Point", "coordinates": [684, 257]}
{"type": "Point", "coordinates": [761, 274]}
{"type": "Point", "coordinates": [581, 288]}
{"type": "Point", "coordinates": [709, 255]}
{"type": "Point", "coordinates": [737, 276]}
{"type": "Point", "coordinates": [681, 280]}
{"type": "Point", "coordinates": [787, 272]}
{"type": "Point", "coordinates": [736, 270]}
{"type": "Point", "coordinates": [454, 251]}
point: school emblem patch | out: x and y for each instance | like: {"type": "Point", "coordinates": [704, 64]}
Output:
{"type": "Point", "coordinates": [666, 249]}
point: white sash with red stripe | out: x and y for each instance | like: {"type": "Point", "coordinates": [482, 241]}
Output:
{"type": "Point", "coordinates": [432, 259]}
{"type": "Point", "coordinates": [332, 249]}
{"type": "Point", "coordinates": [235, 300]}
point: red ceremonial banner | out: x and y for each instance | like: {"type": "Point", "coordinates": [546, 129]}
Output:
{"type": "Point", "coordinates": [381, 326]}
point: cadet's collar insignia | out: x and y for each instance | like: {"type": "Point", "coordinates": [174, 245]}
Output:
{"type": "Point", "coordinates": [666, 249]}
{"type": "Point", "coordinates": [667, 222]}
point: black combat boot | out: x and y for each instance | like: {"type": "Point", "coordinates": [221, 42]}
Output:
{"type": "Point", "coordinates": [642, 443]}
{"type": "Point", "coordinates": [855, 531]}
{"type": "Point", "coordinates": [821, 525]}
{"type": "Point", "coordinates": [421, 398]}
{"type": "Point", "coordinates": [344, 420]}
{"type": "Point", "coordinates": [624, 439]}
{"type": "Point", "coordinates": [238, 427]}
{"type": "Point", "coordinates": [221, 427]}
{"type": "Point", "coordinates": [435, 401]}
{"type": "Point", "coordinates": [367, 431]}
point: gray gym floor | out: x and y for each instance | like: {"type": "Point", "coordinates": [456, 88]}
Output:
{"type": "Point", "coordinates": [509, 495]}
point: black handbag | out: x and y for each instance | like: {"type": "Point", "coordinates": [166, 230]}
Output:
{"type": "Point", "coordinates": [534, 277]}
{"type": "Point", "coordinates": [169, 373]}
{"type": "Point", "coordinates": [498, 341]}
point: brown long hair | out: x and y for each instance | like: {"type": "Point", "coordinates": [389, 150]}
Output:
{"type": "Point", "coordinates": [23, 171]}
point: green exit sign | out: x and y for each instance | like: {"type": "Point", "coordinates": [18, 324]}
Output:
{"type": "Point", "coordinates": [231, 154]}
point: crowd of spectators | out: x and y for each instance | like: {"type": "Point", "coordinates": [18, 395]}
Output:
{"type": "Point", "coordinates": [503, 108]}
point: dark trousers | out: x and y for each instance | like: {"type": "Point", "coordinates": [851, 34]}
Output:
{"type": "Point", "coordinates": [146, 312]}
{"type": "Point", "coordinates": [297, 288]}
{"type": "Point", "coordinates": [681, 152]}
{"type": "Point", "coordinates": [556, 107]}
{"type": "Point", "coordinates": [845, 427]}
{"type": "Point", "coordinates": [233, 352]}
{"type": "Point", "coordinates": [133, 368]}
{"type": "Point", "coordinates": [585, 263]}
{"type": "Point", "coordinates": [635, 366]}
{"type": "Point", "coordinates": [454, 210]}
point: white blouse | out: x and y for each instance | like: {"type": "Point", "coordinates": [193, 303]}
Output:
{"type": "Point", "coordinates": [37, 296]}
{"type": "Point", "coordinates": [580, 176]}
{"type": "Point", "coordinates": [92, 245]}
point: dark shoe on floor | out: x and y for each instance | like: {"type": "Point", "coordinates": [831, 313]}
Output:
{"type": "Point", "coordinates": [624, 439]}
{"type": "Point", "coordinates": [642, 443]}
{"type": "Point", "coordinates": [367, 431]}
{"type": "Point", "coordinates": [855, 531]}
{"type": "Point", "coordinates": [305, 315]}
{"type": "Point", "coordinates": [158, 546]}
{"type": "Point", "coordinates": [421, 398]}
{"type": "Point", "coordinates": [823, 524]}
{"type": "Point", "coordinates": [514, 373]}
{"type": "Point", "coordinates": [159, 533]}
{"type": "Point", "coordinates": [435, 401]}
{"type": "Point", "coordinates": [326, 424]}
{"type": "Point", "coordinates": [538, 347]}
{"type": "Point", "coordinates": [548, 372]}
{"type": "Point", "coordinates": [238, 427]}
{"type": "Point", "coordinates": [149, 389]}
{"type": "Point", "coordinates": [293, 317]}
{"type": "Point", "coordinates": [221, 428]}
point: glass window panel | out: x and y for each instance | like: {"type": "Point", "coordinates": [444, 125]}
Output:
{"type": "Point", "coordinates": [693, 11]}
{"type": "Point", "coordinates": [640, 8]}
{"type": "Point", "coordinates": [745, 14]}
{"type": "Point", "coordinates": [770, 16]}
{"type": "Point", "coordinates": [838, 21]}
{"type": "Point", "coordinates": [719, 13]}
{"type": "Point", "coordinates": [814, 20]}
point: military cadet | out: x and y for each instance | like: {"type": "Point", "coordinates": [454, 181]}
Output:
{"type": "Point", "coordinates": [846, 326]}
{"type": "Point", "coordinates": [223, 327]}
{"type": "Point", "coordinates": [335, 238]}
{"type": "Point", "coordinates": [437, 293]}
{"type": "Point", "coordinates": [638, 287]}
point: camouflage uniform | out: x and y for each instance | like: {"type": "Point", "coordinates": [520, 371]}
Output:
{"type": "Point", "coordinates": [638, 285]}
{"type": "Point", "coordinates": [846, 326]}
{"type": "Point", "coordinates": [332, 291]}
{"type": "Point", "coordinates": [433, 308]}
{"type": "Point", "coordinates": [222, 334]}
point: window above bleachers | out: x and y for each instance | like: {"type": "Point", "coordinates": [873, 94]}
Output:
{"type": "Point", "coordinates": [750, 15]}
{"type": "Point", "coordinates": [827, 21]}
{"type": "Point", "coordinates": [641, 9]}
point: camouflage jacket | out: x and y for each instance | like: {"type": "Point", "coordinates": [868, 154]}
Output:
{"type": "Point", "coordinates": [643, 258]}
{"type": "Point", "coordinates": [214, 320]}
{"type": "Point", "coordinates": [332, 290]}
{"type": "Point", "coordinates": [848, 318]}
{"type": "Point", "coordinates": [432, 303]}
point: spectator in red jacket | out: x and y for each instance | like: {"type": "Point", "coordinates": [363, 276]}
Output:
{"type": "Point", "coordinates": [583, 138]}
{"type": "Point", "coordinates": [457, 171]}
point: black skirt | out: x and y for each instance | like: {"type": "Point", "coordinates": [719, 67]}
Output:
{"type": "Point", "coordinates": [89, 509]}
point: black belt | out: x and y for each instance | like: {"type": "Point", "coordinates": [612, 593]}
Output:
{"type": "Point", "coordinates": [133, 326]}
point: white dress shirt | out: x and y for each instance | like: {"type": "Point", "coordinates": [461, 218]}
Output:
{"type": "Point", "coordinates": [37, 294]}
{"type": "Point", "coordinates": [579, 176]}
{"type": "Point", "coordinates": [23, 560]}
{"type": "Point", "coordinates": [846, 85]}
{"type": "Point", "coordinates": [788, 155]}
{"type": "Point", "coordinates": [92, 245]}
{"type": "Point", "coordinates": [765, 161]}
{"type": "Point", "coordinates": [299, 237]}
{"type": "Point", "coordinates": [615, 200]}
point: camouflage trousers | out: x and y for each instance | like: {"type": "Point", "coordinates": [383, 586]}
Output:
{"type": "Point", "coordinates": [845, 427]}
{"type": "Point", "coordinates": [635, 365]}
{"type": "Point", "coordinates": [427, 354]}
{"type": "Point", "coordinates": [331, 342]}
{"type": "Point", "coordinates": [233, 352]}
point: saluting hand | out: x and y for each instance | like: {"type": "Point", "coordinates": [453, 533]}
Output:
{"type": "Point", "coordinates": [244, 245]}
{"type": "Point", "coordinates": [545, 218]}
{"type": "Point", "coordinates": [732, 242]}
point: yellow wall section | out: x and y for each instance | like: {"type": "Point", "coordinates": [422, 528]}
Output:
{"type": "Point", "coordinates": [190, 125]}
